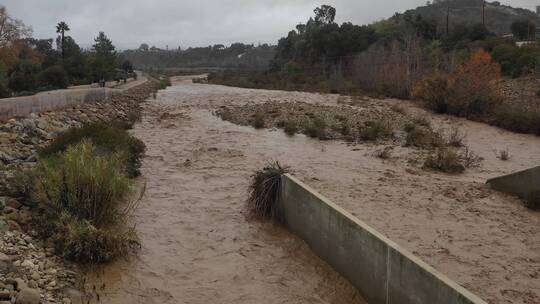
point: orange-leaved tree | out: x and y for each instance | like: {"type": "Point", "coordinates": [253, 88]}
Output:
{"type": "Point", "coordinates": [476, 86]}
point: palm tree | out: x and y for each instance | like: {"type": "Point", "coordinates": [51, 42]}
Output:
{"type": "Point", "coordinates": [61, 28]}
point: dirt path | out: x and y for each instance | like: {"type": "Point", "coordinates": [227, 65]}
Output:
{"type": "Point", "coordinates": [198, 246]}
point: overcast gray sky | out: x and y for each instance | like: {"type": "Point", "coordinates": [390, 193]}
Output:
{"type": "Point", "coordinates": [194, 23]}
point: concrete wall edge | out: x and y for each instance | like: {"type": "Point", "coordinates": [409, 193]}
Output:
{"type": "Point", "coordinates": [391, 244]}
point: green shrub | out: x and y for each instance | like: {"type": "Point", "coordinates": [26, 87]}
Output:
{"type": "Point", "coordinates": [375, 130]}
{"type": "Point", "coordinates": [107, 139]}
{"type": "Point", "coordinates": [4, 90]}
{"type": "Point", "coordinates": [316, 128]}
{"type": "Point", "coordinates": [517, 118]}
{"type": "Point", "coordinates": [258, 121]}
{"type": "Point", "coordinates": [82, 182]}
{"type": "Point", "coordinates": [54, 77]}
{"type": "Point", "coordinates": [80, 241]}
{"type": "Point", "coordinates": [290, 127]}
{"type": "Point", "coordinates": [23, 77]}
{"type": "Point", "coordinates": [84, 197]}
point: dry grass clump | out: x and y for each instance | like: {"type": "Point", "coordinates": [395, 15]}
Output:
{"type": "Point", "coordinates": [455, 138]}
{"type": "Point", "coordinates": [423, 137]}
{"type": "Point", "coordinates": [290, 127]}
{"type": "Point", "coordinates": [375, 130]}
{"type": "Point", "coordinates": [398, 109]}
{"type": "Point", "coordinates": [445, 160]}
{"type": "Point", "coordinates": [451, 160]}
{"type": "Point", "coordinates": [503, 155]}
{"type": "Point", "coordinates": [384, 153]}
{"type": "Point", "coordinates": [83, 196]}
{"type": "Point", "coordinates": [265, 192]}
{"type": "Point", "coordinates": [422, 121]}
{"type": "Point", "coordinates": [316, 128]}
{"type": "Point", "coordinates": [258, 121]}
{"type": "Point", "coordinates": [420, 134]}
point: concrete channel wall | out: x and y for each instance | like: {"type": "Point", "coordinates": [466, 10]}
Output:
{"type": "Point", "coordinates": [59, 99]}
{"type": "Point", "coordinates": [50, 101]}
{"type": "Point", "coordinates": [524, 184]}
{"type": "Point", "coordinates": [382, 271]}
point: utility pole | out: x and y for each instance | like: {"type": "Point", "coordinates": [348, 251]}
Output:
{"type": "Point", "coordinates": [529, 30]}
{"type": "Point", "coordinates": [484, 12]}
{"type": "Point", "coordinates": [448, 19]}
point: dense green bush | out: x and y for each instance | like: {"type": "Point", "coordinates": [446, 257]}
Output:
{"type": "Point", "coordinates": [516, 61]}
{"type": "Point", "coordinates": [84, 197]}
{"type": "Point", "coordinates": [517, 118]}
{"type": "Point", "coordinates": [107, 139]}
{"type": "Point", "coordinates": [4, 90]}
{"type": "Point", "coordinates": [55, 77]}
{"type": "Point", "coordinates": [23, 77]}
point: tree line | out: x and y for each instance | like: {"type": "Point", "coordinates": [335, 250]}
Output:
{"type": "Point", "coordinates": [389, 56]}
{"type": "Point", "coordinates": [29, 65]}
{"type": "Point", "coordinates": [237, 55]}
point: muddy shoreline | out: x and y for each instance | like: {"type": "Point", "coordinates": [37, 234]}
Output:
{"type": "Point", "coordinates": [30, 271]}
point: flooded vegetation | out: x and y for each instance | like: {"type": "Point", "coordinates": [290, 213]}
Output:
{"type": "Point", "coordinates": [196, 162]}
{"type": "Point", "coordinates": [162, 185]}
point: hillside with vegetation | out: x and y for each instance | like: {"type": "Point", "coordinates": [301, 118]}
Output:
{"type": "Point", "coordinates": [406, 56]}
{"type": "Point", "coordinates": [237, 55]}
{"type": "Point", "coordinates": [498, 17]}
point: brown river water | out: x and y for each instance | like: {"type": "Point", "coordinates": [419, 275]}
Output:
{"type": "Point", "coordinates": [198, 246]}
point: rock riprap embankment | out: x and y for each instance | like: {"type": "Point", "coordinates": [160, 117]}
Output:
{"type": "Point", "coordinates": [30, 273]}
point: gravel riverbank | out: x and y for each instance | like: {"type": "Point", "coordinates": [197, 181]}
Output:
{"type": "Point", "coordinates": [30, 273]}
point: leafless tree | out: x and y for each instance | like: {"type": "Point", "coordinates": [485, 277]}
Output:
{"type": "Point", "coordinates": [11, 29]}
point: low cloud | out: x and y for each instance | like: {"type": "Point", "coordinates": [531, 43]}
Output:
{"type": "Point", "coordinates": [191, 23]}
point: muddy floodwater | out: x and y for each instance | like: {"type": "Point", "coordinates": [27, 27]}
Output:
{"type": "Point", "coordinates": [198, 246]}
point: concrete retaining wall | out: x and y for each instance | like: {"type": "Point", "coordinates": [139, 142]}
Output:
{"type": "Point", "coordinates": [382, 271]}
{"type": "Point", "coordinates": [49, 101]}
{"type": "Point", "coordinates": [58, 99]}
{"type": "Point", "coordinates": [523, 184]}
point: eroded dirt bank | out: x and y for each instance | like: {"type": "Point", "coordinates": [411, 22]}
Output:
{"type": "Point", "coordinates": [198, 247]}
